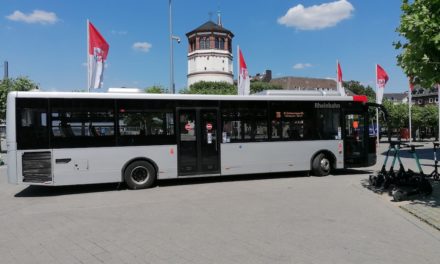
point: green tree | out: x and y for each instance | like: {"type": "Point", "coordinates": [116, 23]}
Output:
{"type": "Point", "coordinates": [424, 117]}
{"type": "Point", "coordinates": [203, 87]}
{"type": "Point", "coordinates": [157, 89]}
{"type": "Point", "coordinates": [224, 88]}
{"type": "Point", "coordinates": [416, 119]}
{"type": "Point", "coordinates": [420, 53]}
{"type": "Point", "coordinates": [18, 84]}
{"type": "Point", "coordinates": [258, 86]}
{"type": "Point", "coordinates": [359, 89]}
{"type": "Point", "coordinates": [398, 115]}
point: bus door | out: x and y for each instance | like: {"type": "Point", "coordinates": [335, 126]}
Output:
{"type": "Point", "coordinates": [355, 139]}
{"type": "Point", "coordinates": [198, 145]}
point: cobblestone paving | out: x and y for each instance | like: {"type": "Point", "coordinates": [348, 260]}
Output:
{"type": "Point", "coordinates": [426, 209]}
{"type": "Point", "coordinates": [250, 220]}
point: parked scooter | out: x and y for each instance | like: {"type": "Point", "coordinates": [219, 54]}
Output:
{"type": "Point", "coordinates": [411, 183]}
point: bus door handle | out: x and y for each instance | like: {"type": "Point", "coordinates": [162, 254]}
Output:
{"type": "Point", "coordinates": [62, 161]}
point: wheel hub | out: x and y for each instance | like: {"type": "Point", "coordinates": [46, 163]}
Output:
{"type": "Point", "coordinates": [140, 175]}
{"type": "Point", "coordinates": [325, 164]}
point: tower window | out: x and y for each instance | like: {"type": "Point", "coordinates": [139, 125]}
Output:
{"type": "Point", "coordinates": [207, 44]}
{"type": "Point", "coordinates": [204, 43]}
{"type": "Point", "coordinates": [219, 43]}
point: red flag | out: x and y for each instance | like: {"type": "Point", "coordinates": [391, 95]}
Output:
{"type": "Point", "coordinates": [97, 41]}
{"type": "Point", "coordinates": [382, 76]}
{"type": "Point", "coordinates": [339, 73]}
{"type": "Point", "coordinates": [411, 84]}
{"type": "Point", "coordinates": [243, 66]}
{"type": "Point", "coordinates": [243, 76]}
{"type": "Point", "coordinates": [381, 80]}
{"type": "Point", "coordinates": [339, 77]}
{"type": "Point", "coordinates": [97, 54]}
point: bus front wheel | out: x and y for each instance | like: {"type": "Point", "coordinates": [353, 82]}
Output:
{"type": "Point", "coordinates": [321, 165]}
{"type": "Point", "coordinates": [140, 175]}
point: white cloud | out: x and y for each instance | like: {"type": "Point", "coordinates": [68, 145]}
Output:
{"type": "Point", "coordinates": [300, 66]}
{"type": "Point", "coordinates": [37, 16]}
{"type": "Point", "coordinates": [142, 46]}
{"type": "Point", "coordinates": [317, 16]}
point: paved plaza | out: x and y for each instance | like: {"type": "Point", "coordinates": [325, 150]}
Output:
{"type": "Point", "coordinates": [283, 218]}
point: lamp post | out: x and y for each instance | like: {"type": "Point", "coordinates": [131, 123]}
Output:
{"type": "Point", "coordinates": [6, 71]}
{"type": "Point", "coordinates": [172, 38]}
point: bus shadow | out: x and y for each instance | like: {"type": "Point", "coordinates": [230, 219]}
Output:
{"type": "Point", "coordinates": [45, 191]}
{"type": "Point", "coordinates": [230, 178]}
{"type": "Point", "coordinates": [422, 153]}
{"type": "Point", "coordinates": [343, 172]}
{"type": "Point", "coordinates": [252, 177]}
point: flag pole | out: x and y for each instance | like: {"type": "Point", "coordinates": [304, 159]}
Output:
{"type": "Point", "coordinates": [238, 69]}
{"type": "Point", "coordinates": [438, 100]}
{"type": "Point", "coordinates": [88, 57]}
{"type": "Point", "coordinates": [377, 113]}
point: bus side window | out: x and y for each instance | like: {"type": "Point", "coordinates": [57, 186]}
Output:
{"type": "Point", "coordinates": [66, 129]}
{"type": "Point", "coordinates": [32, 127]}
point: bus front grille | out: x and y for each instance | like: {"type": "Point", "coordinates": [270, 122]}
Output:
{"type": "Point", "coordinates": [37, 167]}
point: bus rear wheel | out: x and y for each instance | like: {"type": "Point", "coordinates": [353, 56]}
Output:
{"type": "Point", "coordinates": [139, 175]}
{"type": "Point", "coordinates": [321, 165]}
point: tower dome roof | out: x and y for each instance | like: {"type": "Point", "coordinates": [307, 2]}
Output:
{"type": "Point", "coordinates": [210, 27]}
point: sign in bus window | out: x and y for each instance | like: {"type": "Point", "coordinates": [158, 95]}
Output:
{"type": "Point", "coordinates": [187, 128]}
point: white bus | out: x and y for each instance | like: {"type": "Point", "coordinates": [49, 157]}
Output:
{"type": "Point", "coordinates": [56, 138]}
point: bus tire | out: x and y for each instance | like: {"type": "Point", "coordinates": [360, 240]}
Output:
{"type": "Point", "coordinates": [321, 165]}
{"type": "Point", "coordinates": [139, 175]}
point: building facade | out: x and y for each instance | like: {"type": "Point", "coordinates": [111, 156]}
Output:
{"type": "Point", "coordinates": [396, 98]}
{"type": "Point", "coordinates": [423, 97]}
{"type": "Point", "coordinates": [210, 54]}
{"type": "Point", "coordinates": [303, 83]}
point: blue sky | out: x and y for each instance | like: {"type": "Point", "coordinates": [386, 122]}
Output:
{"type": "Point", "coordinates": [46, 39]}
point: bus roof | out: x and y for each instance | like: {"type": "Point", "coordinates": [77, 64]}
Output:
{"type": "Point", "coordinates": [79, 95]}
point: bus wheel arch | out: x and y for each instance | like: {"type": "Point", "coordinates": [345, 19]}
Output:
{"type": "Point", "coordinates": [322, 163]}
{"type": "Point", "coordinates": [139, 173]}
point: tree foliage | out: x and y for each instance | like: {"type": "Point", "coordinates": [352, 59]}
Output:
{"type": "Point", "coordinates": [398, 114]}
{"type": "Point", "coordinates": [420, 53]}
{"type": "Point", "coordinates": [422, 117]}
{"type": "Point", "coordinates": [224, 88]}
{"type": "Point", "coordinates": [156, 89]}
{"type": "Point", "coordinates": [360, 89]}
{"type": "Point", "coordinates": [203, 87]}
{"type": "Point", "coordinates": [18, 84]}
{"type": "Point", "coordinates": [259, 86]}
